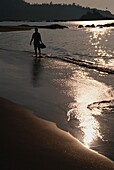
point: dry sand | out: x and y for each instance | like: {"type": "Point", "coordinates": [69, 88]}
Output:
{"type": "Point", "coordinates": [29, 143]}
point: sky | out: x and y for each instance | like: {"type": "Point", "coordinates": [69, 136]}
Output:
{"type": "Point", "coordinates": [99, 4]}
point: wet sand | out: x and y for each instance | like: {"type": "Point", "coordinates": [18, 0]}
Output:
{"type": "Point", "coordinates": [28, 142]}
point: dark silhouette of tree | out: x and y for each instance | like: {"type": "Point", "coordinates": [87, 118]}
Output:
{"type": "Point", "coordinates": [21, 10]}
{"type": "Point", "coordinates": [92, 15]}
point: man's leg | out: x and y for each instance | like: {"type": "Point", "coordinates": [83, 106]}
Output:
{"type": "Point", "coordinates": [39, 51]}
{"type": "Point", "coordinates": [35, 49]}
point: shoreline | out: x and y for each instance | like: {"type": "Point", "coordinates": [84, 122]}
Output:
{"type": "Point", "coordinates": [28, 27]}
{"type": "Point", "coordinates": [32, 143]}
{"type": "Point", "coordinates": [25, 27]}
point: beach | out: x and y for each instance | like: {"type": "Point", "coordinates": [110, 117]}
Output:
{"type": "Point", "coordinates": [28, 142]}
{"type": "Point", "coordinates": [55, 111]}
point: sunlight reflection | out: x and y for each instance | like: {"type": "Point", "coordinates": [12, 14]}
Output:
{"type": "Point", "coordinates": [90, 128]}
{"type": "Point", "coordinates": [84, 94]}
{"type": "Point", "coordinates": [96, 39]}
{"type": "Point", "coordinates": [89, 125]}
{"type": "Point", "coordinates": [99, 35]}
{"type": "Point", "coordinates": [97, 22]}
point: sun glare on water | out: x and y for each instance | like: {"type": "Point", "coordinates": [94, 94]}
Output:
{"type": "Point", "coordinates": [99, 43]}
{"type": "Point", "coordinates": [84, 95]}
{"type": "Point", "coordinates": [86, 91]}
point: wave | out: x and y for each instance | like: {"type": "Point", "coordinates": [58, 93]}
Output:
{"type": "Point", "coordinates": [107, 106]}
{"type": "Point", "coordinates": [87, 64]}
{"type": "Point", "coordinates": [69, 59]}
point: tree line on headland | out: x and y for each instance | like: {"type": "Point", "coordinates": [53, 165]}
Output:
{"type": "Point", "coordinates": [19, 10]}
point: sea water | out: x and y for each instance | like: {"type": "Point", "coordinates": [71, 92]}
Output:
{"type": "Point", "coordinates": [86, 109]}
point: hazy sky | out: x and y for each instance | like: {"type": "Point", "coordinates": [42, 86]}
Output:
{"type": "Point", "coordinates": [100, 4]}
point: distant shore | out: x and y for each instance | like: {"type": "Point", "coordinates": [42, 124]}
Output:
{"type": "Point", "coordinates": [28, 27]}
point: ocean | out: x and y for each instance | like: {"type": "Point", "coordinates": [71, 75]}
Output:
{"type": "Point", "coordinates": [81, 62]}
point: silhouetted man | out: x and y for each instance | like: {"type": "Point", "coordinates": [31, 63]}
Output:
{"type": "Point", "coordinates": [36, 37]}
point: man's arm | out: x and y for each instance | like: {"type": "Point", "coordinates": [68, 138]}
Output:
{"type": "Point", "coordinates": [31, 39]}
{"type": "Point", "coordinates": [40, 38]}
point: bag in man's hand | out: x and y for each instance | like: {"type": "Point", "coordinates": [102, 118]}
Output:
{"type": "Point", "coordinates": [42, 45]}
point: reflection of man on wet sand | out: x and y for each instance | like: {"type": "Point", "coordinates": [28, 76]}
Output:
{"type": "Point", "coordinates": [36, 37]}
{"type": "Point", "coordinates": [35, 71]}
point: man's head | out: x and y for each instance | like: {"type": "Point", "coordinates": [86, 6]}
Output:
{"type": "Point", "coordinates": [36, 29]}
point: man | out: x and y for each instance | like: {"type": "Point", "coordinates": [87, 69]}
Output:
{"type": "Point", "coordinates": [36, 37]}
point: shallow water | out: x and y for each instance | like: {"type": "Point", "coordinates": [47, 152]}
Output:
{"type": "Point", "coordinates": [82, 93]}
